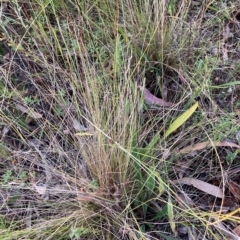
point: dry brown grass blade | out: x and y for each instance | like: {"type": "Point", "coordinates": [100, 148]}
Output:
{"type": "Point", "coordinates": [29, 111]}
{"type": "Point", "coordinates": [202, 145]}
{"type": "Point", "coordinates": [201, 185]}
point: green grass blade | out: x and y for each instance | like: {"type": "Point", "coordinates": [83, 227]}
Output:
{"type": "Point", "coordinates": [161, 213]}
{"type": "Point", "coordinates": [181, 119]}
{"type": "Point", "coordinates": [150, 182]}
{"type": "Point", "coordinates": [226, 85]}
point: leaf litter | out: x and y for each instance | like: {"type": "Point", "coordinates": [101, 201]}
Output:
{"type": "Point", "coordinates": [203, 145]}
{"type": "Point", "coordinates": [200, 146]}
{"type": "Point", "coordinates": [30, 112]}
{"type": "Point", "coordinates": [201, 185]}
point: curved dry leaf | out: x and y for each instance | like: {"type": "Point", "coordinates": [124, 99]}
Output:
{"type": "Point", "coordinates": [29, 111]}
{"type": "Point", "coordinates": [196, 147]}
{"type": "Point", "coordinates": [202, 145]}
{"type": "Point", "coordinates": [153, 100]}
{"type": "Point", "coordinates": [201, 185]}
{"type": "Point", "coordinates": [227, 144]}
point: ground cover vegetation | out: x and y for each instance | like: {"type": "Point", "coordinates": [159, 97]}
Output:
{"type": "Point", "coordinates": [119, 119]}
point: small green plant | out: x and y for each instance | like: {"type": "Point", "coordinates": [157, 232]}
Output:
{"type": "Point", "coordinates": [97, 49]}
{"type": "Point", "coordinates": [79, 232]}
{"type": "Point", "coordinates": [58, 111]}
{"type": "Point", "coordinates": [3, 223]}
{"type": "Point", "coordinates": [146, 191]}
{"type": "Point", "coordinates": [149, 183]}
{"type": "Point", "coordinates": [224, 126]}
{"type": "Point", "coordinates": [231, 156]}
{"type": "Point", "coordinates": [172, 7]}
{"type": "Point", "coordinates": [7, 176]}
{"type": "Point", "coordinates": [29, 100]}
{"type": "Point", "coordinates": [23, 175]}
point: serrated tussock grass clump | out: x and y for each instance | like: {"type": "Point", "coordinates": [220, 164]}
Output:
{"type": "Point", "coordinates": [83, 157]}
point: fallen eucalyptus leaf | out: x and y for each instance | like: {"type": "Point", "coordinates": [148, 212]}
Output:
{"type": "Point", "coordinates": [198, 147]}
{"type": "Point", "coordinates": [202, 145]}
{"type": "Point", "coordinates": [201, 185]}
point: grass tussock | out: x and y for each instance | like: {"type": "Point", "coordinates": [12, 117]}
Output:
{"type": "Point", "coordinates": [83, 154]}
